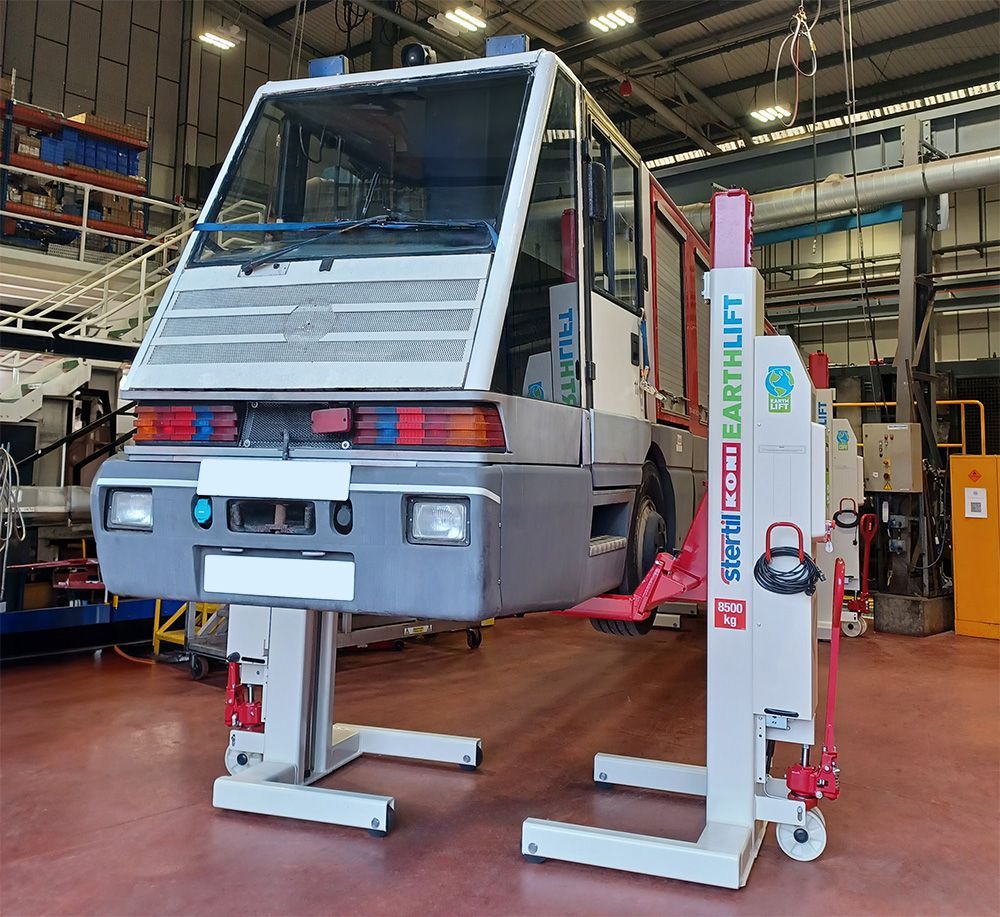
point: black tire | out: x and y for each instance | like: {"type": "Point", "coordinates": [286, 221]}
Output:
{"type": "Point", "coordinates": [650, 533]}
{"type": "Point", "coordinates": [474, 638]}
{"type": "Point", "coordinates": [199, 666]}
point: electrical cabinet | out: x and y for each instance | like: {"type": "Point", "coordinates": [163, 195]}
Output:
{"type": "Point", "coordinates": [893, 457]}
{"type": "Point", "coordinates": [975, 526]}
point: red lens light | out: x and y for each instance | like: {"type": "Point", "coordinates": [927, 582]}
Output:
{"type": "Point", "coordinates": [473, 426]}
{"type": "Point", "coordinates": [186, 423]}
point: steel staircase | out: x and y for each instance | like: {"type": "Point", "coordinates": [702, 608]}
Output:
{"type": "Point", "coordinates": [57, 379]}
{"type": "Point", "coordinates": [113, 302]}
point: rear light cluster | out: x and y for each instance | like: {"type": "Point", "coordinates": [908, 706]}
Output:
{"type": "Point", "coordinates": [477, 426]}
{"type": "Point", "coordinates": [187, 423]}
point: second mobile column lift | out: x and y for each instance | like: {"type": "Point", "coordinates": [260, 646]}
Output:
{"type": "Point", "coordinates": [764, 507]}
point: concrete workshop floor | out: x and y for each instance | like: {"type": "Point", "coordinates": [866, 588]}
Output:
{"type": "Point", "coordinates": [107, 769]}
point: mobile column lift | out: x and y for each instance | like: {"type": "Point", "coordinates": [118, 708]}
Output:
{"type": "Point", "coordinates": [765, 505]}
{"type": "Point", "coordinates": [282, 668]}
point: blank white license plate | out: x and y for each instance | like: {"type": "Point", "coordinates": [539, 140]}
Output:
{"type": "Point", "coordinates": [278, 577]}
{"type": "Point", "coordinates": [299, 479]}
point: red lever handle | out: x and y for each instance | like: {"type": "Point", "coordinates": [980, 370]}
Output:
{"type": "Point", "coordinates": [788, 525]}
{"type": "Point", "coordinates": [868, 526]}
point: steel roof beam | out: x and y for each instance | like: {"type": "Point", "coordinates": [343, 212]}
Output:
{"type": "Point", "coordinates": [288, 14]}
{"type": "Point", "coordinates": [885, 93]}
{"type": "Point", "coordinates": [863, 52]}
{"type": "Point", "coordinates": [650, 21]}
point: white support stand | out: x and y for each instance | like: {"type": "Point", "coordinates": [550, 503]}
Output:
{"type": "Point", "coordinates": [766, 464]}
{"type": "Point", "coordinates": [272, 770]}
{"type": "Point", "coordinates": [845, 483]}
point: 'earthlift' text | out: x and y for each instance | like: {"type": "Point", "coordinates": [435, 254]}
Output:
{"type": "Point", "coordinates": [732, 368]}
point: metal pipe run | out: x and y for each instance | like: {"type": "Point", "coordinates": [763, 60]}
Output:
{"type": "Point", "coordinates": [950, 402]}
{"type": "Point", "coordinates": [835, 195]}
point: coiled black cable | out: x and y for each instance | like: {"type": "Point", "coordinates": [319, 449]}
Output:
{"type": "Point", "coordinates": [846, 518]}
{"type": "Point", "coordinates": [803, 577]}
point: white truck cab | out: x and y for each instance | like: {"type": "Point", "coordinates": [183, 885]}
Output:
{"type": "Point", "coordinates": [404, 365]}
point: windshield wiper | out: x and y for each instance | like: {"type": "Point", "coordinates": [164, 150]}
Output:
{"type": "Point", "coordinates": [334, 227]}
{"type": "Point", "coordinates": [381, 221]}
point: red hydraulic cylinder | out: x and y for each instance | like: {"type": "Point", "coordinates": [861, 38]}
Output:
{"type": "Point", "coordinates": [241, 711]}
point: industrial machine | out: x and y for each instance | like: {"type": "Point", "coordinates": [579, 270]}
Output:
{"type": "Point", "coordinates": [279, 709]}
{"type": "Point", "coordinates": [975, 515]}
{"type": "Point", "coordinates": [435, 325]}
{"type": "Point", "coordinates": [763, 510]}
{"type": "Point", "coordinates": [845, 494]}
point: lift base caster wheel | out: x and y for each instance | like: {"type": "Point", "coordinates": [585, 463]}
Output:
{"type": "Point", "coordinates": [199, 667]}
{"type": "Point", "coordinates": [237, 761]}
{"type": "Point", "coordinates": [528, 858]}
{"type": "Point", "coordinates": [474, 638]}
{"type": "Point", "coordinates": [803, 842]}
{"type": "Point", "coordinates": [381, 830]}
{"type": "Point", "coordinates": [853, 628]}
{"type": "Point", "coordinates": [473, 765]}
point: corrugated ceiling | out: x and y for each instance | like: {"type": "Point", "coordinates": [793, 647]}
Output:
{"type": "Point", "coordinates": [727, 25]}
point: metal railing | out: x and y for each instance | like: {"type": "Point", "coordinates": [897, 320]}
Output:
{"type": "Point", "coordinates": [116, 292]}
{"type": "Point", "coordinates": [113, 300]}
{"type": "Point", "coordinates": [949, 402]}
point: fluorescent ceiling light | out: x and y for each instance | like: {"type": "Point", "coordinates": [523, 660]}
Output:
{"type": "Point", "coordinates": [772, 113]}
{"type": "Point", "coordinates": [458, 20]}
{"type": "Point", "coordinates": [216, 41]}
{"type": "Point", "coordinates": [473, 20]}
{"type": "Point", "coordinates": [615, 19]}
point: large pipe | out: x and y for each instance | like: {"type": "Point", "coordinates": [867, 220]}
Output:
{"type": "Point", "coordinates": [835, 195]}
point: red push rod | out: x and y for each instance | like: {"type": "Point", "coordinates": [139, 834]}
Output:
{"type": "Point", "coordinates": [831, 691]}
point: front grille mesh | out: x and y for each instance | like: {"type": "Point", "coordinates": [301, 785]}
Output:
{"type": "Point", "coordinates": [325, 322]}
{"type": "Point", "coordinates": [357, 292]}
{"type": "Point", "coordinates": [377, 351]}
{"type": "Point", "coordinates": [266, 425]}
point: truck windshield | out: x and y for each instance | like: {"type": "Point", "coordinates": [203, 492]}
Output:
{"type": "Point", "coordinates": [403, 168]}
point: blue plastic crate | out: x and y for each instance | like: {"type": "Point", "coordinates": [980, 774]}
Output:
{"type": "Point", "coordinates": [133, 162]}
{"type": "Point", "coordinates": [51, 150]}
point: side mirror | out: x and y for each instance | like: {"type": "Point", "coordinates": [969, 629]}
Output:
{"type": "Point", "coordinates": [597, 191]}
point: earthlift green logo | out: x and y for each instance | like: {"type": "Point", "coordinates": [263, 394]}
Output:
{"type": "Point", "coordinates": [779, 383]}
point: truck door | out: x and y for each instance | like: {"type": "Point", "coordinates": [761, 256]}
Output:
{"type": "Point", "coordinates": [616, 283]}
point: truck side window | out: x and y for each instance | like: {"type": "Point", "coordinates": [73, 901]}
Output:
{"type": "Point", "coordinates": [614, 248]}
{"type": "Point", "coordinates": [539, 343]}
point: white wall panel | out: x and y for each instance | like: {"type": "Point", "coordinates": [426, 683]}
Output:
{"type": "Point", "coordinates": [53, 20]}
{"type": "Point", "coordinates": [81, 62]}
{"type": "Point", "coordinates": [142, 70]}
{"type": "Point", "coordinates": [116, 26]}
{"type": "Point", "coordinates": [49, 83]}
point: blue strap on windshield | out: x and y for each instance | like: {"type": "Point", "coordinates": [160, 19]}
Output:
{"type": "Point", "coordinates": [265, 227]}
{"type": "Point", "coordinates": [299, 227]}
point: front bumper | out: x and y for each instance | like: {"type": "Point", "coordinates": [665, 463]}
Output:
{"type": "Point", "coordinates": [373, 568]}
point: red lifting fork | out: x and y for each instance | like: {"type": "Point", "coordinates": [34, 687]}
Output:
{"type": "Point", "coordinates": [810, 783]}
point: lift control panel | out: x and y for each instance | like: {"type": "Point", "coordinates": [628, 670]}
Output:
{"type": "Point", "coordinates": [893, 457]}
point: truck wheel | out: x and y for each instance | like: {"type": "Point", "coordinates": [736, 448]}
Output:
{"type": "Point", "coordinates": [648, 536]}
